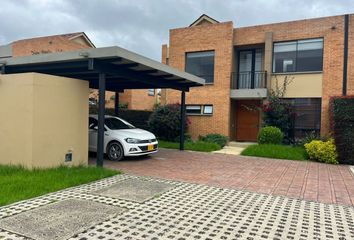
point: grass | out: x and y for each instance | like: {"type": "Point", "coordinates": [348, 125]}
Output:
{"type": "Point", "coordinates": [199, 146]}
{"type": "Point", "coordinates": [18, 183]}
{"type": "Point", "coordinates": [276, 151]}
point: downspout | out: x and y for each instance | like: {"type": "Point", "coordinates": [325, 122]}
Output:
{"type": "Point", "coordinates": [345, 63]}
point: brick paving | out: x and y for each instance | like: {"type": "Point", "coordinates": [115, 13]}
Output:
{"type": "Point", "coordinates": [298, 179]}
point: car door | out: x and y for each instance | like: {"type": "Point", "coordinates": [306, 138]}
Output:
{"type": "Point", "coordinates": [93, 123]}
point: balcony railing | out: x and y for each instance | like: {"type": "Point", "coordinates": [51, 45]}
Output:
{"type": "Point", "coordinates": [249, 80]}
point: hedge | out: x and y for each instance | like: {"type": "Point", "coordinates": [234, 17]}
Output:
{"type": "Point", "coordinates": [342, 127]}
{"type": "Point", "coordinates": [139, 118]}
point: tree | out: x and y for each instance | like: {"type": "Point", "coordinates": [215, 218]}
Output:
{"type": "Point", "coordinates": [277, 112]}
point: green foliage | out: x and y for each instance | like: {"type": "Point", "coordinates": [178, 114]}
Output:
{"type": "Point", "coordinates": [277, 112]}
{"type": "Point", "coordinates": [322, 151]}
{"type": "Point", "coordinates": [270, 135]}
{"type": "Point", "coordinates": [164, 122]}
{"type": "Point", "coordinates": [342, 121]}
{"type": "Point", "coordinates": [199, 146]}
{"type": "Point", "coordinates": [312, 136]}
{"type": "Point", "coordinates": [139, 118]}
{"type": "Point", "coordinates": [276, 151]}
{"type": "Point", "coordinates": [219, 139]}
{"type": "Point", "coordinates": [18, 183]}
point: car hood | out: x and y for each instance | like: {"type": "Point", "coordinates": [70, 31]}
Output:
{"type": "Point", "coordinates": [133, 133]}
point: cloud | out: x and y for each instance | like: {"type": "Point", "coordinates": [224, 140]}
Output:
{"type": "Point", "coordinates": [143, 25]}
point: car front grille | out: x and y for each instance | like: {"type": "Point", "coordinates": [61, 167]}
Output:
{"type": "Point", "coordinates": [148, 140]}
{"type": "Point", "coordinates": [145, 148]}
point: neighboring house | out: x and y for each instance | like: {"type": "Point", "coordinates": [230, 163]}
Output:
{"type": "Point", "coordinates": [135, 99]}
{"type": "Point", "coordinates": [240, 65]}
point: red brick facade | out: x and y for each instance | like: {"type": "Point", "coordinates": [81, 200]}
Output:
{"type": "Point", "coordinates": [223, 38]}
{"type": "Point", "coordinates": [216, 37]}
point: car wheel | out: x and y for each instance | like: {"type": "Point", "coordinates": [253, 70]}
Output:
{"type": "Point", "coordinates": [115, 151]}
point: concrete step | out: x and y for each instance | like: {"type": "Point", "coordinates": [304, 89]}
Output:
{"type": "Point", "coordinates": [240, 144]}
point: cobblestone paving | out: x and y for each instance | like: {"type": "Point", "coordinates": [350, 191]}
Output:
{"type": "Point", "coordinates": [194, 211]}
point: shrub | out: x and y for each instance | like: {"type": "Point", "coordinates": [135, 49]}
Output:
{"type": "Point", "coordinates": [342, 124]}
{"type": "Point", "coordinates": [312, 136]}
{"type": "Point", "coordinates": [322, 151]}
{"type": "Point", "coordinates": [164, 122]}
{"type": "Point", "coordinates": [219, 139]}
{"type": "Point", "coordinates": [270, 135]}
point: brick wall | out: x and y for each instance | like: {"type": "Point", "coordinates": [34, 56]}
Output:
{"type": "Point", "coordinates": [217, 37]}
{"type": "Point", "coordinates": [43, 45]}
{"type": "Point", "coordinates": [330, 28]}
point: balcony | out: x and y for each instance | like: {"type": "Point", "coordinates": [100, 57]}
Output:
{"type": "Point", "coordinates": [249, 85]}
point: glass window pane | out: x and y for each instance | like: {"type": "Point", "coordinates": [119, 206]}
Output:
{"type": "Point", "coordinates": [307, 115]}
{"type": "Point", "coordinates": [310, 55]}
{"type": "Point", "coordinates": [151, 92]}
{"type": "Point", "coordinates": [193, 109]}
{"type": "Point", "coordinates": [201, 64]}
{"type": "Point", "coordinates": [284, 57]}
{"type": "Point", "coordinates": [208, 109]}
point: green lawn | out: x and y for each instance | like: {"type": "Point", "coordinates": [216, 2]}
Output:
{"type": "Point", "coordinates": [199, 146]}
{"type": "Point", "coordinates": [275, 151]}
{"type": "Point", "coordinates": [17, 183]}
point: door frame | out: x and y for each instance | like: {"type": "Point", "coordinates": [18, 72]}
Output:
{"type": "Point", "coordinates": [236, 104]}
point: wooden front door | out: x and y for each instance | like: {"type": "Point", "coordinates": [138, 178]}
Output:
{"type": "Point", "coordinates": [247, 120]}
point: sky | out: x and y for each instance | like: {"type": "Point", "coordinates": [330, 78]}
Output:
{"type": "Point", "coordinates": [143, 25]}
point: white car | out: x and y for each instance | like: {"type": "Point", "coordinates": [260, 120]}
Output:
{"type": "Point", "coordinates": [121, 138]}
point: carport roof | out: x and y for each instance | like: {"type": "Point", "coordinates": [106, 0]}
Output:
{"type": "Point", "coordinates": [124, 69]}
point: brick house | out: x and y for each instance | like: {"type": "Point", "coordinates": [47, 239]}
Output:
{"type": "Point", "coordinates": [134, 99]}
{"type": "Point", "coordinates": [240, 65]}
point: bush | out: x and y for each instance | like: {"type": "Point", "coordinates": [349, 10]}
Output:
{"type": "Point", "coordinates": [164, 122]}
{"type": "Point", "coordinates": [322, 151]}
{"type": "Point", "coordinates": [139, 118]}
{"type": "Point", "coordinates": [342, 124]}
{"type": "Point", "coordinates": [270, 135]}
{"type": "Point", "coordinates": [219, 139]}
{"type": "Point", "coordinates": [312, 136]}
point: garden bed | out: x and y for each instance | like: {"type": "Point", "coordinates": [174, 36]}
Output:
{"type": "Point", "coordinates": [276, 151]}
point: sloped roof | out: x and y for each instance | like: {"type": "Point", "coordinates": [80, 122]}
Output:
{"type": "Point", "coordinates": [202, 18]}
{"type": "Point", "coordinates": [69, 36]}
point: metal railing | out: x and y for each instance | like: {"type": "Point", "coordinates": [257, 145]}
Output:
{"type": "Point", "coordinates": [249, 80]}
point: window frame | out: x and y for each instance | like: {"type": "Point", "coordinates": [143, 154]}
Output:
{"type": "Point", "coordinates": [185, 63]}
{"type": "Point", "coordinates": [296, 56]}
{"type": "Point", "coordinates": [202, 111]}
{"type": "Point", "coordinates": [151, 92]}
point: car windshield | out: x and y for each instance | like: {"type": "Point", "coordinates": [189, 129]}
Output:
{"type": "Point", "coordinates": [116, 124]}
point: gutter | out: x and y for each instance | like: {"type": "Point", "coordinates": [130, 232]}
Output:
{"type": "Point", "coordinates": [345, 57]}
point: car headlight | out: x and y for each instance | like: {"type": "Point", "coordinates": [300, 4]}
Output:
{"type": "Point", "coordinates": [132, 140]}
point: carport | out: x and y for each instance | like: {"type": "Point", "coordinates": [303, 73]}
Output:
{"type": "Point", "coordinates": [112, 69]}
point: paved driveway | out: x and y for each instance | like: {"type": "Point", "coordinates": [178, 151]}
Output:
{"type": "Point", "coordinates": [137, 208]}
{"type": "Point", "coordinates": [303, 180]}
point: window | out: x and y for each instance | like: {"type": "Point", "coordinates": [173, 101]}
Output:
{"type": "Point", "coordinates": [298, 56]}
{"type": "Point", "coordinates": [151, 92]}
{"type": "Point", "coordinates": [199, 109]}
{"type": "Point", "coordinates": [116, 124]}
{"type": "Point", "coordinates": [307, 115]}
{"type": "Point", "coordinates": [193, 109]}
{"type": "Point", "coordinates": [201, 64]}
{"type": "Point", "coordinates": [208, 109]}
